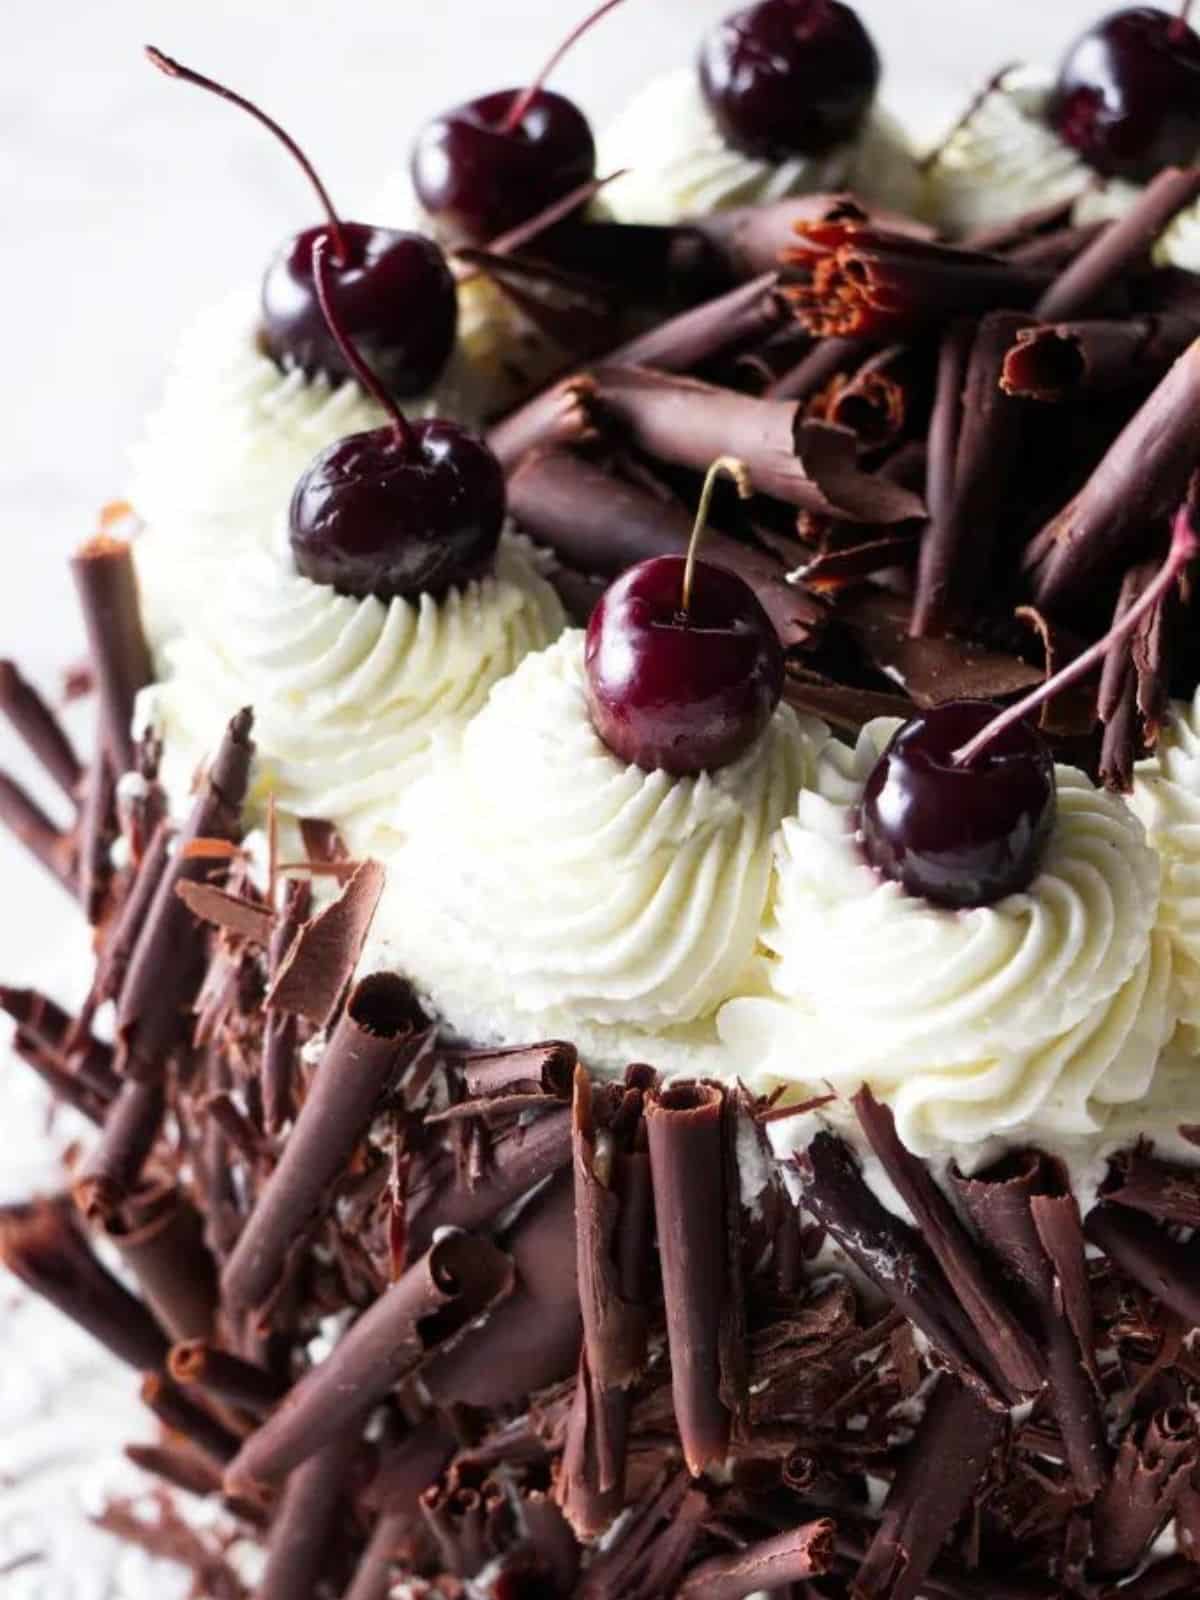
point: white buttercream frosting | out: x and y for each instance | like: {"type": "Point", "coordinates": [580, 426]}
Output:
{"type": "Point", "coordinates": [1005, 159]}
{"type": "Point", "coordinates": [546, 882]}
{"type": "Point", "coordinates": [1039, 1012]}
{"type": "Point", "coordinates": [679, 164]}
{"type": "Point", "coordinates": [347, 693]}
{"type": "Point", "coordinates": [1166, 796]}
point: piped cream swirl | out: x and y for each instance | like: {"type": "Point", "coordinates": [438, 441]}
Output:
{"type": "Point", "coordinates": [542, 875]}
{"type": "Point", "coordinates": [679, 164]}
{"type": "Point", "coordinates": [1166, 796]}
{"type": "Point", "coordinates": [1040, 1011]}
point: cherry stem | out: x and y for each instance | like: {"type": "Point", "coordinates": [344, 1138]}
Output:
{"type": "Point", "coordinates": [175, 69]}
{"type": "Point", "coordinates": [1185, 547]}
{"type": "Point", "coordinates": [525, 99]}
{"type": "Point", "coordinates": [1180, 25]}
{"type": "Point", "coordinates": [406, 439]}
{"type": "Point", "coordinates": [723, 466]}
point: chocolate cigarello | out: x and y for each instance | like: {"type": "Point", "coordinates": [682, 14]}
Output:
{"type": "Point", "coordinates": [537, 1069]}
{"type": "Point", "coordinates": [407, 1467]}
{"type": "Point", "coordinates": [1012, 1351]}
{"type": "Point", "coordinates": [459, 1281]}
{"type": "Point", "coordinates": [32, 720]}
{"type": "Point", "coordinates": [111, 1172]}
{"type": "Point", "coordinates": [281, 1033]}
{"type": "Point", "coordinates": [378, 1034]}
{"type": "Point", "coordinates": [754, 238]}
{"type": "Point", "coordinates": [1141, 479]}
{"type": "Point", "coordinates": [559, 417]}
{"type": "Point", "coordinates": [873, 402]}
{"type": "Point", "coordinates": [178, 1414]}
{"type": "Point", "coordinates": [816, 367]}
{"type": "Point", "coordinates": [29, 824]}
{"type": "Point", "coordinates": [937, 1479]}
{"type": "Point", "coordinates": [225, 1377]}
{"type": "Point", "coordinates": [1148, 1476]}
{"type": "Point", "coordinates": [307, 1522]}
{"type": "Point", "coordinates": [806, 464]}
{"type": "Point", "coordinates": [1033, 1228]}
{"type": "Point", "coordinates": [575, 312]}
{"type": "Point", "coordinates": [43, 1246]}
{"type": "Point", "coordinates": [945, 424]}
{"type": "Point", "coordinates": [316, 970]}
{"type": "Point", "coordinates": [98, 830]}
{"type": "Point", "coordinates": [598, 522]}
{"type": "Point", "coordinates": [122, 936]}
{"type": "Point", "coordinates": [108, 597]}
{"type": "Point", "coordinates": [1066, 359]}
{"type": "Point", "coordinates": [373, 1576]}
{"type": "Point", "coordinates": [805, 1552]}
{"type": "Point", "coordinates": [591, 1478]}
{"type": "Point", "coordinates": [683, 1123]}
{"type": "Point", "coordinates": [1147, 1254]}
{"type": "Point", "coordinates": [63, 1085]}
{"type": "Point", "coordinates": [167, 963]}
{"type": "Point", "coordinates": [44, 1022]}
{"type": "Point", "coordinates": [1125, 244]}
{"type": "Point", "coordinates": [181, 1468]}
{"type": "Point", "coordinates": [749, 312]}
{"type": "Point", "coordinates": [165, 1250]}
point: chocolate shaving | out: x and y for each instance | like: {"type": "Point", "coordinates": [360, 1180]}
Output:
{"type": "Point", "coordinates": [122, 935]}
{"type": "Point", "coordinates": [815, 369]}
{"type": "Point", "coordinates": [1122, 246]}
{"type": "Point", "coordinates": [648, 1557]}
{"type": "Point", "coordinates": [108, 597]}
{"type": "Point", "coordinates": [1170, 1193]}
{"type": "Point", "coordinates": [933, 670]}
{"type": "Point", "coordinates": [64, 1038]}
{"type": "Point", "coordinates": [225, 1377]}
{"type": "Point", "coordinates": [191, 1422]}
{"type": "Point", "coordinates": [1150, 1256]}
{"type": "Point", "coordinates": [430, 1309]}
{"type": "Point", "coordinates": [281, 1029]}
{"type": "Point", "coordinates": [842, 705]}
{"type": "Point", "coordinates": [247, 920]}
{"type": "Point", "coordinates": [1134, 680]}
{"type": "Point", "coordinates": [182, 1468]}
{"type": "Point", "coordinates": [805, 1552]}
{"type": "Point", "coordinates": [98, 829]}
{"type": "Point", "coordinates": [559, 417]}
{"type": "Point", "coordinates": [307, 1521]}
{"type": "Point", "coordinates": [754, 239]}
{"type": "Point", "coordinates": [1152, 1467]}
{"type": "Point", "coordinates": [313, 975]}
{"type": "Point", "coordinates": [40, 730]}
{"type": "Point", "coordinates": [163, 1245]}
{"type": "Point", "coordinates": [378, 1036]}
{"type": "Point", "coordinates": [684, 1125]}
{"type": "Point", "coordinates": [524, 1072]}
{"type": "Point", "coordinates": [114, 1168]}
{"type": "Point", "coordinates": [29, 824]}
{"type": "Point", "coordinates": [1066, 359]}
{"type": "Point", "coordinates": [408, 1466]}
{"type": "Point", "coordinates": [683, 343]}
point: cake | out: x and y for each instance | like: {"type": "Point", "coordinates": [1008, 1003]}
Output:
{"type": "Point", "coordinates": [644, 1034]}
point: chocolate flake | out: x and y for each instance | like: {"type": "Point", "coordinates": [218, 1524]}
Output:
{"type": "Point", "coordinates": [805, 1552]}
{"type": "Point", "coordinates": [313, 975]}
{"type": "Point", "coordinates": [1152, 1467]}
{"type": "Point", "coordinates": [1164, 1267]}
{"type": "Point", "coordinates": [245, 919]}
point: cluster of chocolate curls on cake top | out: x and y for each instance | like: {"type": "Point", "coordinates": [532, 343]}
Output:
{"type": "Point", "coordinates": [443, 1321]}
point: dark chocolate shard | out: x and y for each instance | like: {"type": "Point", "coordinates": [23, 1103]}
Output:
{"type": "Point", "coordinates": [647, 1558]}
{"type": "Point", "coordinates": [684, 1125]}
{"type": "Point", "coordinates": [1152, 1467]}
{"type": "Point", "coordinates": [1143, 1183]}
{"type": "Point", "coordinates": [181, 1467]}
{"type": "Point", "coordinates": [1143, 1250]}
{"type": "Point", "coordinates": [108, 597]}
{"type": "Point", "coordinates": [1060, 361]}
{"type": "Point", "coordinates": [932, 670]}
{"type": "Point", "coordinates": [845, 706]}
{"type": "Point", "coordinates": [234, 914]}
{"type": "Point", "coordinates": [792, 1557]}
{"type": "Point", "coordinates": [40, 730]}
{"type": "Point", "coordinates": [307, 1522]}
{"type": "Point", "coordinates": [379, 1034]}
{"type": "Point", "coordinates": [939, 1475]}
{"type": "Point", "coordinates": [432, 1307]}
{"type": "Point", "coordinates": [1013, 1353]}
{"type": "Point", "coordinates": [313, 975]}
{"type": "Point", "coordinates": [1023, 1210]}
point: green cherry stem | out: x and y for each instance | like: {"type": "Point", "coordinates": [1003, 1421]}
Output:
{"type": "Point", "coordinates": [1185, 547]}
{"type": "Point", "coordinates": [723, 466]}
{"type": "Point", "coordinates": [527, 96]}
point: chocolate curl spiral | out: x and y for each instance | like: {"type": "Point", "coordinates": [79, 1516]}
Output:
{"type": "Point", "coordinates": [161, 1241]}
{"type": "Point", "coordinates": [113, 1169]}
{"type": "Point", "coordinates": [225, 1377]}
{"type": "Point", "coordinates": [1065, 360]}
{"type": "Point", "coordinates": [108, 597]}
{"type": "Point", "coordinates": [754, 239]}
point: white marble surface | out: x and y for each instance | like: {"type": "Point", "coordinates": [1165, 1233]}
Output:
{"type": "Point", "coordinates": [128, 202]}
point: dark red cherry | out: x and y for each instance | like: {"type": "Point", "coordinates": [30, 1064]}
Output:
{"type": "Point", "coordinates": [1128, 94]}
{"type": "Point", "coordinates": [395, 293]}
{"type": "Point", "coordinates": [489, 165]}
{"type": "Point", "coordinates": [959, 835]}
{"type": "Point", "coordinates": [789, 77]}
{"type": "Point", "coordinates": [406, 509]}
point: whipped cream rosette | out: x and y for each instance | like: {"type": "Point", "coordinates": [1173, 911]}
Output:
{"type": "Point", "coordinates": [1039, 1012]}
{"type": "Point", "coordinates": [676, 162]}
{"type": "Point", "coordinates": [546, 884]}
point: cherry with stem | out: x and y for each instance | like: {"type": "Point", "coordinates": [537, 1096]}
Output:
{"type": "Point", "coordinates": [401, 427]}
{"type": "Point", "coordinates": [527, 96]}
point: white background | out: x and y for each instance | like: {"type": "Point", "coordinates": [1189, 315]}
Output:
{"type": "Point", "coordinates": [127, 203]}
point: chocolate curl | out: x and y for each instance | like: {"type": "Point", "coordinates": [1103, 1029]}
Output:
{"type": "Point", "coordinates": [754, 239]}
{"type": "Point", "coordinates": [1139, 1498]}
{"type": "Point", "coordinates": [42, 1244]}
{"type": "Point", "coordinates": [167, 963]}
{"type": "Point", "coordinates": [378, 1036]}
{"type": "Point", "coordinates": [1134, 682]}
{"type": "Point", "coordinates": [30, 826]}
{"type": "Point", "coordinates": [178, 1414]}
{"type": "Point", "coordinates": [108, 597]}
{"type": "Point", "coordinates": [431, 1308]}
{"type": "Point", "coordinates": [806, 464]}
{"type": "Point", "coordinates": [517, 1163]}
{"type": "Point", "coordinates": [894, 1256]}
{"type": "Point", "coordinates": [63, 1038]}
{"type": "Point", "coordinates": [815, 369]}
{"type": "Point", "coordinates": [1169, 1193]}
{"type": "Point", "coordinates": [939, 1474]}
{"type": "Point", "coordinates": [574, 312]}
{"type": "Point", "coordinates": [98, 828]}
{"type": "Point", "coordinates": [1121, 247]}
{"type": "Point", "coordinates": [945, 424]}
{"type": "Point", "coordinates": [599, 523]}
{"type": "Point", "coordinates": [181, 1468]}
{"type": "Point", "coordinates": [63, 1085]}
{"type": "Point", "coordinates": [958, 546]}
{"type": "Point", "coordinates": [1055, 251]}
{"type": "Point", "coordinates": [307, 1521]}
{"type": "Point", "coordinates": [1012, 233]}
{"type": "Point", "coordinates": [281, 1031]}
{"type": "Point", "coordinates": [1013, 1353]}
{"type": "Point", "coordinates": [527, 1073]}
{"type": "Point", "coordinates": [684, 1125]}
{"type": "Point", "coordinates": [408, 1466]}
{"type": "Point", "coordinates": [947, 667]}
{"type": "Point", "coordinates": [849, 281]}
{"type": "Point", "coordinates": [1141, 479]}
{"type": "Point", "coordinates": [114, 1168]}
{"type": "Point", "coordinates": [122, 937]}
{"type": "Point", "coordinates": [247, 921]}
{"type": "Point", "coordinates": [554, 1547]}
{"type": "Point", "coordinates": [373, 1576]}
{"type": "Point", "coordinates": [196, 1363]}
{"type": "Point", "coordinates": [1145, 1252]}
{"type": "Point", "coordinates": [558, 418]}
{"type": "Point", "coordinates": [874, 401]}
{"type": "Point", "coordinates": [1066, 359]}
{"type": "Point", "coordinates": [646, 1560]}
{"type": "Point", "coordinates": [1172, 1579]}
{"type": "Point", "coordinates": [533, 1339]}
{"type": "Point", "coordinates": [750, 312]}
{"type": "Point", "coordinates": [1032, 1224]}
{"type": "Point", "coordinates": [314, 974]}
{"type": "Point", "coordinates": [32, 720]}
{"type": "Point", "coordinates": [165, 1250]}
{"type": "Point", "coordinates": [805, 1552]}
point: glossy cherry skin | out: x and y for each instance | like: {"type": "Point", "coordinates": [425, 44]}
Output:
{"type": "Point", "coordinates": [395, 295]}
{"type": "Point", "coordinates": [683, 695]}
{"type": "Point", "coordinates": [1128, 94]}
{"type": "Point", "coordinates": [476, 178]}
{"type": "Point", "coordinates": [789, 77]}
{"type": "Point", "coordinates": [370, 517]}
{"type": "Point", "coordinates": [959, 835]}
